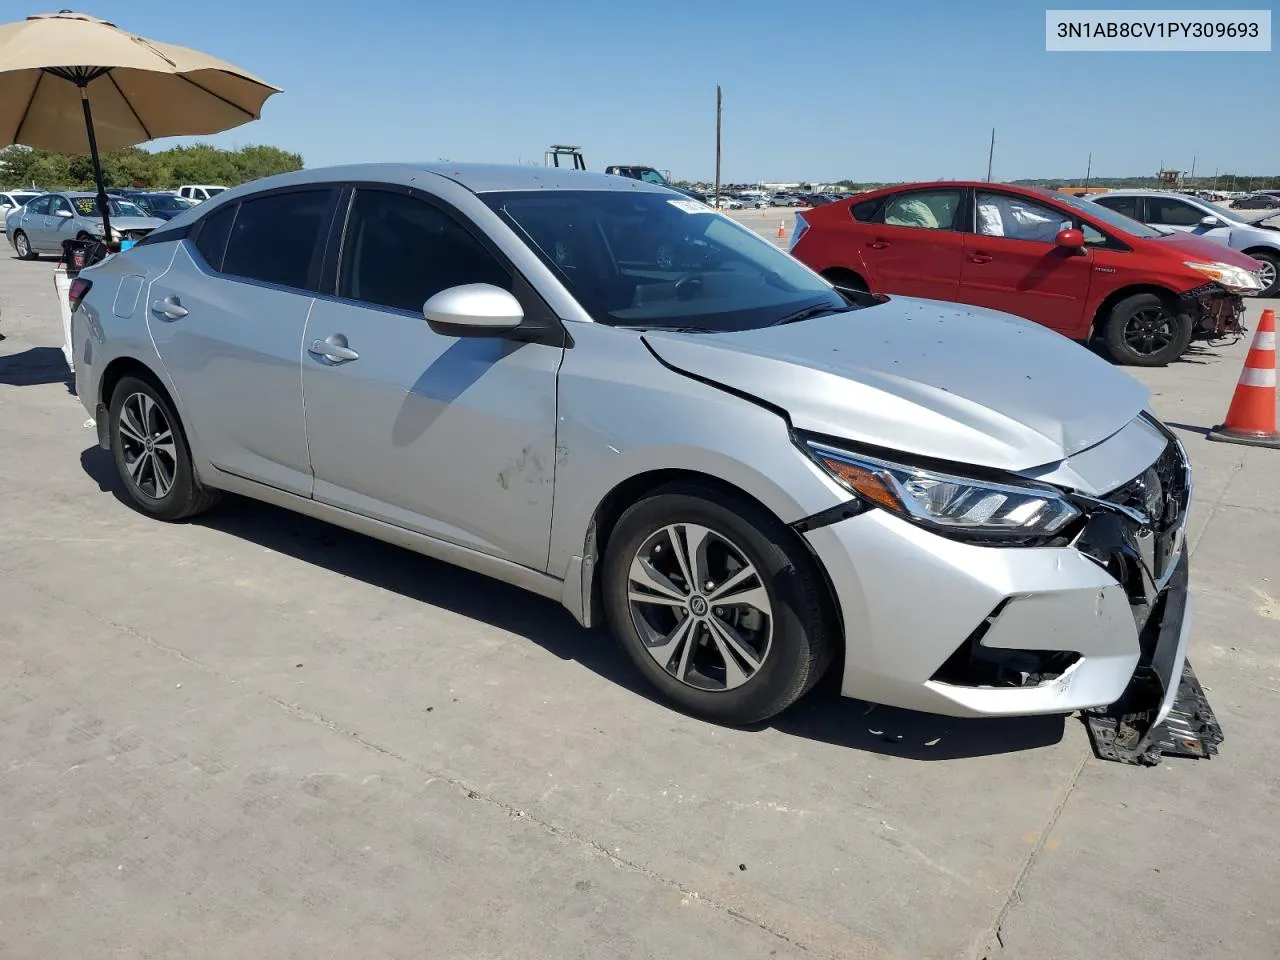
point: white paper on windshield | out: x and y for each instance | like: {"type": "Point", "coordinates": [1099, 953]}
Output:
{"type": "Point", "coordinates": [690, 206]}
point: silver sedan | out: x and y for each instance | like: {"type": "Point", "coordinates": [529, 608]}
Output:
{"type": "Point", "coordinates": [41, 225]}
{"type": "Point", "coordinates": [611, 395]}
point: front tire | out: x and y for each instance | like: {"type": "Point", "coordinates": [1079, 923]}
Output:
{"type": "Point", "coordinates": [1144, 331]}
{"type": "Point", "coordinates": [716, 604]}
{"type": "Point", "coordinates": [151, 453]}
{"type": "Point", "coordinates": [23, 246]}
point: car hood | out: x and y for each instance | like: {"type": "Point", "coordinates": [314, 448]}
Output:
{"type": "Point", "coordinates": [923, 377]}
{"type": "Point", "coordinates": [1198, 248]}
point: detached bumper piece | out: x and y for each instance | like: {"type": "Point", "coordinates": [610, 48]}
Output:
{"type": "Point", "coordinates": [1190, 729]}
{"type": "Point", "coordinates": [1154, 718]}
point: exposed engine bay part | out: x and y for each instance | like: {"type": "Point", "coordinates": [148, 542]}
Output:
{"type": "Point", "coordinates": [1215, 313]}
{"type": "Point", "coordinates": [1125, 731]}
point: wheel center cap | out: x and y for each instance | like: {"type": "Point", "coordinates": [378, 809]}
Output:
{"type": "Point", "coordinates": [150, 444]}
{"type": "Point", "coordinates": [698, 606]}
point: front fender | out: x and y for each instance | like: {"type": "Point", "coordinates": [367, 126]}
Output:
{"type": "Point", "coordinates": [624, 415]}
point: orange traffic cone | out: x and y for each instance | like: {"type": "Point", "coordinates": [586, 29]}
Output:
{"type": "Point", "coordinates": [782, 229]}
{"type": "Point", "coordinates": [1251, 418]}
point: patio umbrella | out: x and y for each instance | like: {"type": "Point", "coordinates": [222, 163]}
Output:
{"type": "Point", "coordinates": [71, 83]}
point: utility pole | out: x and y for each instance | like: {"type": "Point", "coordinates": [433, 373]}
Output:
{"type": "Point", "coordinates": [716, 195]}
{"type": "Point", "coordinates": [1193, 169]}
{"type": "Point", "coordinates": [1215, 179]}
{"type": "Point", "coordinates": [1088, 172]}
{"type": "Point", "coordinates": [991, 154]}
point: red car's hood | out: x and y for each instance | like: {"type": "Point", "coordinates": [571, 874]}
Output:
{"type": "Point", "coordinates": [1206, 251]}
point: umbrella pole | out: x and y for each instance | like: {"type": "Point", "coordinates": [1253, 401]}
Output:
{"type": "Point", "coordinates": [103, 203]}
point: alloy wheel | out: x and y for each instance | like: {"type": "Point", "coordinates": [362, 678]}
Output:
{"type": "Point", "coordinates": [1149, 330]}
{"type": "Point", "coordinates": [146, 439]}
{"type": "Point", "coordinates": [21, 244]}
{"type": "Point", "coordinates": [1267, 274]}
{"type": "Point", "coordinates": [700, 607]}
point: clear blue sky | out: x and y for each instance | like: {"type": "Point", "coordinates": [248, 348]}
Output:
{"type": "Point", "coordinates": [868, 90]}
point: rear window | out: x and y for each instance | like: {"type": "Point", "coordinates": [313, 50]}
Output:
{"type": "Point", "coordinates": [275, 238]}
{"type": "Point", "coordinates": [868, 210]}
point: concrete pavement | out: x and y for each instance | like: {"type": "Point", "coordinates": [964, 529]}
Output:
{"type": "Point", "coordinates": [256, 734]}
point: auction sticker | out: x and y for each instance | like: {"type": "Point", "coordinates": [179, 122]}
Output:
{"type": "Point", "coordinates": [691, 206]}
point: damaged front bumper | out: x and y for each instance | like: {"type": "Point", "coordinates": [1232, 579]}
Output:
{"type": "Point", "coordinates": [1214, 311]}
{"type": "Point", "coordinates": [1099, 626]}
{"type": "Point", "coordinates": [1164, 709]}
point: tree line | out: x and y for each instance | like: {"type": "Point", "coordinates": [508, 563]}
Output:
{"type": "Point", "coordinates": [135, 167]}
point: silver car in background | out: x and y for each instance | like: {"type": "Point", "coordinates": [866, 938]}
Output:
{"type": "Point", "coordinates": [11, 200]}
{"type": "Point", "coordinates": [611, 395]}
{"type": "Point", "coordinates": [1247, 233]}
{"type": "Point", "coordinates": [42, 224]}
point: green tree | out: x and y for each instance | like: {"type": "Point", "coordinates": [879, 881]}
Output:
{"type": "Point", "coordinates": [159, 170]}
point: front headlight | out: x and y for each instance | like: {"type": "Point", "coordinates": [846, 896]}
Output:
{"type": "Point", "coordinates": [956, 506]}
{"type": "Point", "coordinates": [1235, 279]}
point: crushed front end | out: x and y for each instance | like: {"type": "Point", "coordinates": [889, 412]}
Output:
{"type": "Point", "coordinates": [1215, 312]}
{"type": "Point", "coordinates": [1096, 620]}
{"type": "Point", "coordinates": [1137, 533]}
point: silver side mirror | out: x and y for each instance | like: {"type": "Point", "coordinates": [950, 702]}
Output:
{"type": "Point", "coordinates": [473, 310]}
{"type": "Point", "coordinates": [1210, 221]}
{"type": "Point", "coordinates": [65, 214]}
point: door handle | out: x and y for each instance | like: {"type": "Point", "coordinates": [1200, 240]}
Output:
{"type": "Point", "coordinates": [334, 349]}
{"type": "Point", "coordinates": [170, 307]}
{"type": "Point", "coordinates": [878, 244]}
{"type": "Point", "coordinates": [980, 258]}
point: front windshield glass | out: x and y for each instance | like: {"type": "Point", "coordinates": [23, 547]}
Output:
{"type": "Point", "coordinates": [1108, 216]}
{"type": "Point", "coordinates": [88, 207]}
{"type": "Point", "coordinates": [652, 260]}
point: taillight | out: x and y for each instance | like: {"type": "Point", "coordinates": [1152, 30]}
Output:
{"type": "Point", "coordinates": [802, 225]}
{"type": "Point", "coordinates": [78, 289]}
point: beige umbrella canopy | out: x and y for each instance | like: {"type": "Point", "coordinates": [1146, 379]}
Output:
{"type": "Point", "coordinates": [74, 84]}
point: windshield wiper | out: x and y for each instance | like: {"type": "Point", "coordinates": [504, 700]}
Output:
{"type": "Point", "coordinates": [809, 313]}
{"type": "Point", "coordinates": [663, 328]}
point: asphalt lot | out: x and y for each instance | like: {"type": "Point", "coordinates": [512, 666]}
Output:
{"type": "Point", "coordinates": [256, 735]}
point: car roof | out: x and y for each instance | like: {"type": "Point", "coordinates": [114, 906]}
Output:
{"type": "Point", "coordinates": [1148, 193]}
{"type": "Point", "coordinates": [476, 177]}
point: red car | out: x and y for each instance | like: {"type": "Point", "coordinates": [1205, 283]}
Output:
{"type": "Point", "coordinates": [1069, 264]}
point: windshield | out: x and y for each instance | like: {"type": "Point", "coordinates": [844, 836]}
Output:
{"type": "Point", "coordinates": [650, 260]}
{"type": "Point", "coordinates": [166, 203]}
{"type": "Point", "coordinates": [1108, 216]}
{"type": "Point", "coordinates": [88, 207]}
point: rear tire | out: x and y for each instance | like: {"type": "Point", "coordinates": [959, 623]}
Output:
{"type": "Point", "coordinates": [1269, 258]}
{"type": "Point", "coordinates": [717, 655]}
{"type": "Point", "coordinates": [23, 246]}
{"type": "Point", "coordinates": [1144, 331]}
{"type": "Point", "coordinates": [151, 453]}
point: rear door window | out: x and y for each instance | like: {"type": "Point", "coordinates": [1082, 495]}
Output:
{"type": "Point", "coordinates": [1124, 205]}
{"type": "Point", "coordinates": [929, 209]}
{"type": "Point", "coordinates": [40, 206]}
{"type": "Point", "coordinates": [278, 238]}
